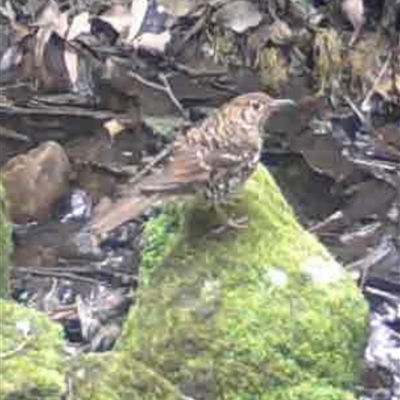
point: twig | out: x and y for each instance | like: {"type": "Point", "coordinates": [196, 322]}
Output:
{"type": "Point", "coordinates": [302, 58]}
{"type": "Point", "coordinates": [17, 350]}
{"type": "Point", "coordinates": [161, 380]}
{"type": "Point", "coordinates": [397, 237]}
{"type": "Point", "coordinates": [166, 87]}
{"type": "Point", "coordinates": [10, 134]}
{"type": "Point", "coordinates": [382, 165]}
{"type": "Point", "coordinates": [385, 66]}
{"type": "Point", "coordinates": [145, 81]}
{"type": "Point", "coordinates": [359, 113]}
{"type": "Point", "coordinates": [69, 395]}
{"type": "Point", "coordinates": [61, 275]}
{"type": "Point", "coordinates": [196, 73]}
{"type": "Point", "coordinates": [8, 12]}
{"type": "Point", "coordinates": [191, 32]}
{"type": "Point", "coordinates": [381, 293]}
{"type": "Point", "coordinates": [52, 293]}
{"type": "Point", "coordinates": [159, 157]}
{"type": "Point", "coordinates": [17, 85]}
{"type": "Point", "coordinates": [74, 269]}
{"type": "Point", "coordinates": [57, 111]}
{"type": "Point", "coordinates": [171, 95]}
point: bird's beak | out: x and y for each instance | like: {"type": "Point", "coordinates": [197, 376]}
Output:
{"type": "Point", "coordinates": [279, 104]}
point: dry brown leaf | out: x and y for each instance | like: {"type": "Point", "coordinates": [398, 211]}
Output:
{"type": "Point", "coordinates": [79, 24]}
{"type": "Point", "coordinates": [152, 41]}
{"type": "Point", "coordinates": [113, 127]}
{"type": "Point", "coordinates": [42, 38]}
{"type": "Point", "coordinates": [179, 8]}
{"type": "Point", "coordinates": [138, 12]}
{"type": "Point", "coordinates": [51, 16]}
{"type": "Point", "coordinates": [239, 15]}
{"type": "Point", "coordinates": [119, 17]}
{"type": "Point", "coordinates": [72, 64]}
{"type": "Point", "coordinates": [20, 31]}
{"type": "Point", "coordinates": [280, 33]}
{"type": "Point", "coordinates": [354, 11]}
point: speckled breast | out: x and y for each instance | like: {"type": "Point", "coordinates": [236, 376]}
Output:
{"type": "Point", "coordinates": [224, 184]}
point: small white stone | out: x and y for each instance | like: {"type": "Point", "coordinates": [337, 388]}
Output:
{"type": "Point", "coordinates": [322, 270]}
{"type": "Point", "coordinates": [277, 277]}
{"type": "Point", "coordinates": [23, 327]}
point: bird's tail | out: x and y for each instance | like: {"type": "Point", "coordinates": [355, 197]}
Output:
{"type": "Point", "coordinates": [118, 213]}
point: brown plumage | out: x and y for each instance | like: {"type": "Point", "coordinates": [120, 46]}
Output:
{"type": "Point", "coordinates": [213, 159]}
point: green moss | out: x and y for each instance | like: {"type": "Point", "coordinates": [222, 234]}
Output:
{"type": "Point", "coordinates": [217, 295]}
{"type": "Point", "coordinates": [238, 316]}
{"type": "Point", "coordinates": [31, 365]}
{"type": "Point", "coordinates": [311, 390]}
{"type": "Point", "coordinates": [5, 244]}
{"type": "Point", "coordinates": [224, 46]}
{"type": "Point", "coordinates": [328, 58]}
{"type": "Point", "coordinates": [273, 69]}
{"type": "Point", "coordinates": [114, 376]}
{"type": "Point", "coordinates": [160, 234]}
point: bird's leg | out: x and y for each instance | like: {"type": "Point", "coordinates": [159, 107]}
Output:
{"type": "Point", "coordinates": [230, 222]}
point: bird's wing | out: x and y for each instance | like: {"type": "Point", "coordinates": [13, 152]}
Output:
{"type": "Point", "coordinates": [195, 157]}
{"type": "Point", "coordinates": [222, 159]}
{"type": "Point", "coordinates": [185, 167]}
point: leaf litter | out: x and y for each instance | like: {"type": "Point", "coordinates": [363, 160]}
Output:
{"type": "Point", "coordinates": [115, 82]}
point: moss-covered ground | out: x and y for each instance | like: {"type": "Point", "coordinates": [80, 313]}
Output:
{"type": "Point", "coordinates": [263, 313]}
{"type": "Point", "coordinates": [5, 244]}
{"type": "Point", "coordinates": [32, 364]}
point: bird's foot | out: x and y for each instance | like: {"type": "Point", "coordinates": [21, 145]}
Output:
{"type": "Point", "coordinates": [238, 224]}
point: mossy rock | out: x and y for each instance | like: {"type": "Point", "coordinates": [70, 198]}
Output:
{"type": "Point", "coordinates": [31, 355]}
{"type": "Point", "coordinates": [264, 313]}
{"type": "Point", "coordinates": [5, 244]}
{"type": "Point", "coordinates": [117, 376]}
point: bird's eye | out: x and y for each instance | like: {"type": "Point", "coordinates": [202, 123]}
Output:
{"type": "Point", "coordinates": [256, 105]}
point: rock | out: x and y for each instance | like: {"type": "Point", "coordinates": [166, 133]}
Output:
{"type": "Point", "coordinates": [42, 245]}
{"type": "Point", "coordinates": [109, 370]}
{"type": "Point", "coordinates": [5, 244]}
{"type": "Point", "coordinates": [262, 313]}
{"type": "Point", "coordinates": [31, 351]}
{"type": "Point", "coordinates": [35, 181]}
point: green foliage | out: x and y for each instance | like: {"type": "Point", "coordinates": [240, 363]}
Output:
{"type": "Point", "coordinates": [31, 366]}
{"type": "Point", "coordinates": [5, 244]}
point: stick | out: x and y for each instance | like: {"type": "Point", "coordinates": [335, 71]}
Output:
{"type": "Point", "coordinates": [159, 157]}
{"type": "Point", "coordinates": [365, 103]}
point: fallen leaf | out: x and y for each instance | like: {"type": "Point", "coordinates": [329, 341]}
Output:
{"type": "Point", "coordinates": [113, 127]}
{"type": "Point", "coordinates": [152, 41]}
{"type": "Point", "coordinates": [138, 13]}
{"type": "Point", "coordinates": [354, 11]}
{"type": "Point", "coordinates": [119, 17]}
{"type": "Point", "coordinates": [239, 15]}
{"type": "Point", "coordinates": [80, 24]}
{"type": "Point", "coordinates": [51, 16]}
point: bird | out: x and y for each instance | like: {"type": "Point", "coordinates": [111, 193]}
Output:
{"type": "Point", "coordinates": [213, 160]}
